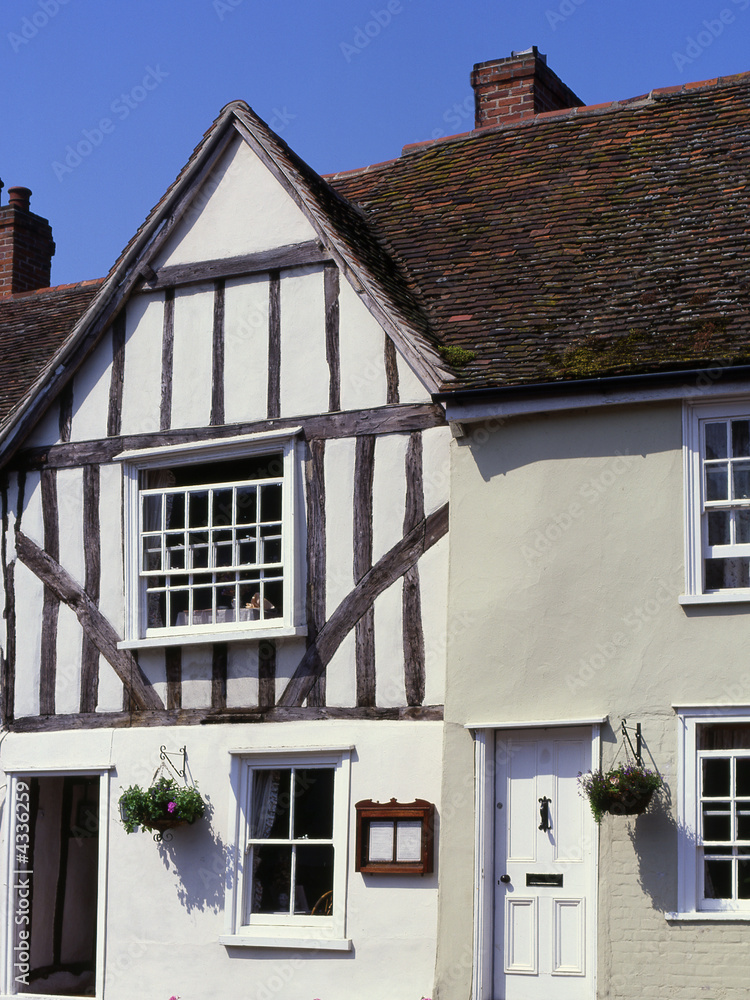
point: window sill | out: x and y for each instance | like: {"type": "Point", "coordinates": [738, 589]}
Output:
{"type": "Point", "coordinates": [710, 915]}
{"type": "Point", "coordinates": [279, 940]}
{"type": "Point", "coordinates": [233, 635]}
{"type": "Point", "coordinates": [725, 597]}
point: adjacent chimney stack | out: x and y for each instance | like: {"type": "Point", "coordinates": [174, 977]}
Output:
{"type": "Point", "coordinates": [517, 87]}
{"type": "Point", "coordinates": [26, 246]}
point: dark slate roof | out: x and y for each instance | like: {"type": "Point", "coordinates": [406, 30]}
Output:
{"type": "Point", "coordinates": [582, 243]}
{"type": "Point", "coordinates": [33, 325]}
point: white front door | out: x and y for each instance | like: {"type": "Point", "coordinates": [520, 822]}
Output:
{"type": "Point", "coordinates": [544, 870]}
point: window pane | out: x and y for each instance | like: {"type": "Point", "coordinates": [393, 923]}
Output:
{"type": "Point", "coordinates": [152, 553]}
{"type": "Point", "coordinates": [716, 440]}
{"type": "Point", "coordinates": [198, 542]}
{"type": "Point", "coordinates": [313, 803]}
{"type": "Point", "coordinates": [717, 486]}
{"type": "Point", "coordinates": [742, 526]}
{"type": "Point", "coordinates": [718, 880]}
{"type": "Point", "coordinates": [741, 480]}
{"type": "Point", "coordinates": [175, 551]}
{"type": "Point", "coordinates": [272, 878]}
{"type": "Point", "coordinates": [727, 574]}
{"type": "Point", "coordinates": [269, 804]}
{"type": "Point", "coordinates": [717, 825]}
{"type": "Point", "coordinates": [246, 505]}
{"type": "Point", "coordinates": [718, 527]}
{"type": "Point", "coordinates": [223, 547]}
{"type": "Point", "coordinates": [743, 821]}
{"type": "Point", "coordinates": [716, 777]}
{"type": "Point", "coordinates": [152, 513]}
{"type": "Point", "coordinates": [270, 502]}
{"type": "Point", "coordinates": [176, 510]}
{"type": "Point", "coordinates": [742, 780]}
{"type": "Point", "coordinates": [279, 829]}
{"type": "Point", "coordinates": [198, 509]}
{"type": "Point", "coordinates": [314, 878]}
{"type": "Point", "coordinates": [222, 507]}
{"type": "Point", "coordinates": [743, 877]}
{"type": "Point", "coordinates": [741, 438]}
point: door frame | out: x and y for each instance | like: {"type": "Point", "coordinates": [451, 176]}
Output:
{"type": "Point", "coordinates": [484, 843]}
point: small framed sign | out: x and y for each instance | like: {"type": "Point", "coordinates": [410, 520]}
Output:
{"type": "Point", "coordinates": [394, 838]}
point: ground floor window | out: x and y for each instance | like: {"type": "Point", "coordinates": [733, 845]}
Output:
{"type": "Point", "coordinates": [714, 825]}
{"type": "Point", "coordinates": [289, 880]}
{"type": "Point", "coordinates": [54, 884]}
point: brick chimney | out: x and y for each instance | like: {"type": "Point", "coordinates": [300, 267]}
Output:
{"type": "Point", "coordinates": [517, 87]}
{"type": "Point", "coordinates": [26, 246]}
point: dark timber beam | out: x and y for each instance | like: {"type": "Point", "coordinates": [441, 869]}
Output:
{"type": "Point", "coordinates": [93, 622]}
{"type": "Point", "coordinates": [385, 572]}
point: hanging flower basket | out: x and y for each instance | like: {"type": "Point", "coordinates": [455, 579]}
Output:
{"type": "Point", "coordinates": [626, 790]}
{"type": "Point", "coordinates": [162, 806]}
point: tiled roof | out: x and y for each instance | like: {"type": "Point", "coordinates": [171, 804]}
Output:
{"type": "Point", "coordinates": [33, 325]}
{"type": "Point", "coordinates": [581, 243]}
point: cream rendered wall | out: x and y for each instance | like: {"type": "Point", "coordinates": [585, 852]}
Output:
{"type": "Point", "coordinates": [566, 567]}
{"type": "Point", "coordinates": [165, 903]}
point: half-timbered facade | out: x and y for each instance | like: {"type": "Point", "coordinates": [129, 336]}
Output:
{"type": "Point", "coordinates": [224, 520]}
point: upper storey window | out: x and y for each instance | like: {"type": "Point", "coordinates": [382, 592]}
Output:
{"type": "Point", "coordinates": [211, 539]}
{"type": "Point", "coordinates": [718, 502]}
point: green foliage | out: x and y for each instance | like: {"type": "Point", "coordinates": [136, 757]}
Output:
{"type": "Point", "coordinates": [457, 357]}
{"type": "Point", "coordinates": [625, 789]}
{"type": "Point", "coordinates": [165, 800]}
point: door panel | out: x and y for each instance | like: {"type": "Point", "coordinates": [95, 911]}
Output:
{"type": "Point", "coordinates": [544, 867]}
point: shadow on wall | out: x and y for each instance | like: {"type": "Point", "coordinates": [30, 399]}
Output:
{"type": "Point", "coordinates": [655, 836]}
{"type": "Point", "coordinates": [202, 863]}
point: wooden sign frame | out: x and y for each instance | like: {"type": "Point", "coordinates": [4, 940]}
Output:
{"type": "Point", "coordinates": [395, 838]}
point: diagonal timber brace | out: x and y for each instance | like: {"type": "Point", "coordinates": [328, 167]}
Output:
{"type": "Point", "coordinates": [385, 572]}
{"type": "Point", "coordinates": [93, 622]}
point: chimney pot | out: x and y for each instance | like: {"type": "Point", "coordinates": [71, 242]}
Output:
{"type": "Point", "coordinates": [20, 197]}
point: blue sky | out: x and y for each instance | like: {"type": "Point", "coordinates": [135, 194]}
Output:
{"type": "Point", "coordinates": [133, 85]}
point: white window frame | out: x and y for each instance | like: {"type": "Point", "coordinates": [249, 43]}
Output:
{"type": "Point", "coordinates": [134, 463]}
{"type": "Point", "coordinates": [690, 905]}
{"type": "Point", "coordinates": [14, 802]}
{"type": "Point", "coordinates": [696, 544]}
{"type": "Point", "coordinates": [293, 931]}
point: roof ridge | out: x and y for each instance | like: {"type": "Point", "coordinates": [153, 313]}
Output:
{"type": "Point", "coordinates": [52, 288]}
{"type": "Point", "coordinates": [658, 93]}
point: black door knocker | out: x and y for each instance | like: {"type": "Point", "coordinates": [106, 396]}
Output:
{"type": "Point", "coordinates": [544, 805]}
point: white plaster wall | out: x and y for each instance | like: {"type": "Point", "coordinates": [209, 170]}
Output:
{"type": "Point", "coordinates": [566, 567]}
{"type": "Point", "coordinates": [29, 603]}
{"type": "Point", "coordinates": [31, 522]}
{"type": "Point", "coordinates": [91, 393]}
{"type": "Point", "coordinates": [388, 493]}
{"type": "Point", "coordinates": [111, 597]}
{"type": "Point", "coordinates": [242, 674]}
{"type": "Point", "coordinates": [305, 375]}
{"type": "Point", "coordinates": [341, 675]}
{"type": "Point", "coordinates": [390, 687]}
{"type": "Point", "coordinates": [362, 352]}
{"type": "Point", "coordinates": [436, 459]}
{"type": "Point", "coordinates": [246, 349]}
{"type": "Point", "coordinates": [192, 360]}
{"type": "Point", "coordinates": [197, 670]}
{"type": "Point", "coordinates": [433, 589]}
{"type": "Point", "coordinates": [339, 478]}
{"type": "Point", "coordinates": [47, 430]}
{"type": "Point", "coordinates": [289, 652]}
{"type": "Point", "coordinates": [240, 209]}
{"type": "Point", "coordinates": [68, 672]}
{"type": "Point", "coordinates": [410, 389]}
{"type": "Point", "coordinates": [141, 386]}
{"type": "Point", "coordinates": [70, 521]}
{"type": "Point", "coordinates": [165, 904]}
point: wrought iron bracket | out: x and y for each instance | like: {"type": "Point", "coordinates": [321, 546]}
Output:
{"type": "Point", "coordinates": [626, 730]}
{"type": "Point", "coordinates": [168, 754]}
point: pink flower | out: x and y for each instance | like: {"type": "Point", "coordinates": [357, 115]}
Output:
{"type": "Point", "coordinates": [171, 808]}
